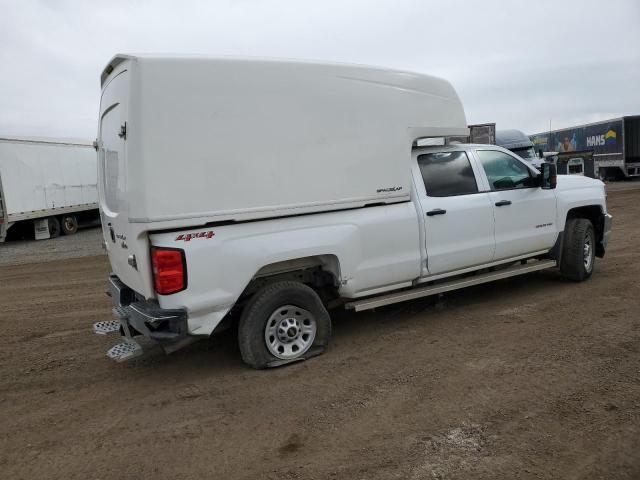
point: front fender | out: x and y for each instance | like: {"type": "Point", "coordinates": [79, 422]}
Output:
{"type": "Point", "coordinates": [577, 192]}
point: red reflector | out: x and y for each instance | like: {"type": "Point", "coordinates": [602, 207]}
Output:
{"type": "Point", "coordinates": [169, 270]}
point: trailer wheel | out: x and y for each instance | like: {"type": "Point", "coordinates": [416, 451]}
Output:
{"type": "Point", "coordinates": [54, 227]}
{"type": "Point", "coordinates": [283, 322]}
{"type": "Point", "coordinates": [602, 174]}
{"type": "Point", "coordinates": [69, 224]}
{"type": "Point", "coordinates": [578, 251]}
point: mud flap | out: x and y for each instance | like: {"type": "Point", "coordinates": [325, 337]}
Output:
{"type": "Point", "coordinates": [41, 229]}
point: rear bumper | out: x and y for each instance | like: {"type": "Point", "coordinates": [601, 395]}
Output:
{"type": "Point", "coordinates": [141, 317]}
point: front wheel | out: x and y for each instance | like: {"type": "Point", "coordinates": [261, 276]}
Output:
{"type": "Point", "coordinates": [578, 251]}
{"type": "Point", "coordinates": [282, 323]}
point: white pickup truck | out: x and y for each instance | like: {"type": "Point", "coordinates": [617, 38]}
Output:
{"type": "Point", "coordinates": [266, 192]}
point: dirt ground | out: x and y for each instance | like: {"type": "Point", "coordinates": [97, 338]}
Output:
{"type": "Point", "coordinates": [531, 377]}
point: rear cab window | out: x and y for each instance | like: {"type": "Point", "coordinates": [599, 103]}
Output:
{"type": "Point", "coordinates": [447, 174]}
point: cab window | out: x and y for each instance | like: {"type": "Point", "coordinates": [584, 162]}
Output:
{"type": "Point", "coordinates": [505, 172]}
{"type": "Point", "coordinates": [447, 173]}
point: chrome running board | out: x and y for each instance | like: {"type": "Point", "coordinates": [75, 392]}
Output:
{"type": "Point", "coordinates": [447, 286]}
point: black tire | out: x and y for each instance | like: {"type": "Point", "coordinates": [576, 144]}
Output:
{"type": "Point", "coordinates": [69, 224]}
{"type": "Point", "coordinates": [573, 264]}
{"type": "Point", "coordinates": [602, 174]}
{"type": "Point", "coordinates": [263, 305]}
{"type": "Point", "coordinates": [54, 227]}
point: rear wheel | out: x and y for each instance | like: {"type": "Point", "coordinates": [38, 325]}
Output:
{"type": "Point", "coordinates": [54, 227]}
{"type": "Point", "coordinates": [578, 251]}
{"type": "Point", "coordinates": [69, 224]}
{"type": "Point", "coordinates": [282, 323]}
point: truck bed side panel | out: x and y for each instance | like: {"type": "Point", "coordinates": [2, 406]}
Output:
{"type": "Point", "coordinates": [375, 247]}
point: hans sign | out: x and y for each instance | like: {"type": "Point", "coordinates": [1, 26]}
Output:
{"type": "Point", "coordinates": [608, 138]}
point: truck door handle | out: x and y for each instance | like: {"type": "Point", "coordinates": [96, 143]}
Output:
{"type": "Point", "coordinates": [437, 211]}
{"type": "Point", "coordinates": [502, 203]}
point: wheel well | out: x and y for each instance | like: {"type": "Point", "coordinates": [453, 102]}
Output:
{"type": "Point", "coordinates": [612, 173]}
{"type": "Point", "coordinates": [596, 216]}
{"type": "Point", "coordinates": [320, 272]}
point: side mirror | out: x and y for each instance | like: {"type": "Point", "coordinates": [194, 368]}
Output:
{"type": "Point", "coordinates": [548, 176]}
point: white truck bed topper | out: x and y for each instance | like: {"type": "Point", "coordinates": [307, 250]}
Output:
{"type": "Point", "coordinates": [217, 139]}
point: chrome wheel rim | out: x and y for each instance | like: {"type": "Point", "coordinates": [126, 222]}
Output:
{"type": "Point", "coordinates": [68, 223]}
{"type": "Point", "coordinates": [587, 254]}
{"type": "Point", "coordinates": [290, 331]}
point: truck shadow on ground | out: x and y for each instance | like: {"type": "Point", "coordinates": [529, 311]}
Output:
{"type": "Point", "coordinates": [220, 356]}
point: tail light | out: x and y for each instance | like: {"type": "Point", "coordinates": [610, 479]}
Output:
{"type": "Point", "coordinates": [169, 270]}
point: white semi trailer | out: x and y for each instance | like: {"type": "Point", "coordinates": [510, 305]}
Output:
{"type": "Point", "coordinates": [48, 183]}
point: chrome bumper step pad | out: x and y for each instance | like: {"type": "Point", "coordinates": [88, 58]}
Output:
{"type": "Point", "coordinates": [125, 351]}
{"type": "Point", "coordinates": [106, 327]}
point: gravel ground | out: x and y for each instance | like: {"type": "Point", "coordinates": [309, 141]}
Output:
{"type": "Point", "coordinates": [528, 378]}
{"type": "Point", "coordinates": [85, 243]}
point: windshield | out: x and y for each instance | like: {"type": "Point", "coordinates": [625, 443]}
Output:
{"type": "Point", "coordinates": [525, 153]}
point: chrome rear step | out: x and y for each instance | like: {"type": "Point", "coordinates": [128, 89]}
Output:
{"type": "Point", "coordinates": [106, 327]}
{"type": "Point", "coordinates": [125, 351]}
{"type": "Point", "coordinates": [379, 301]}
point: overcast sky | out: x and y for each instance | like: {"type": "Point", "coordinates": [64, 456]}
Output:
{"type": "Point", "coordinates": [521, 64]}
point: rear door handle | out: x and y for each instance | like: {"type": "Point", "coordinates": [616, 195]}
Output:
{"type": "Point", "coordinates": [437, 211]}
{"type": "Point", "coordinates": [502, 203]}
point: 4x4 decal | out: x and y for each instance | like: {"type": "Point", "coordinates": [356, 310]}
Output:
{"type": "Point", "coordinates": [188, 236]}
